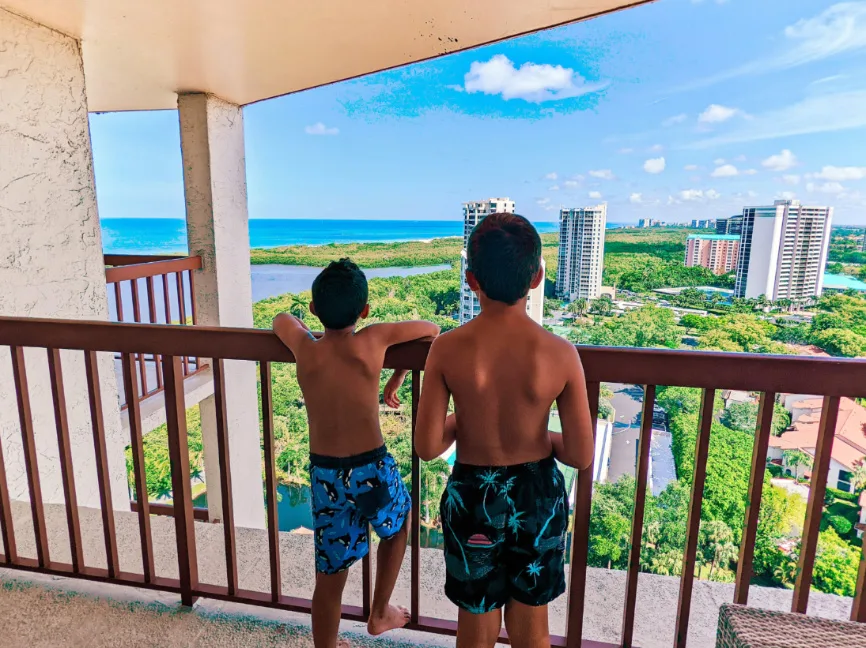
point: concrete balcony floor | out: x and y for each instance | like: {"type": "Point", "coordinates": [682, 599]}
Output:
{"type": "Point", "coordinates": [654, 623]}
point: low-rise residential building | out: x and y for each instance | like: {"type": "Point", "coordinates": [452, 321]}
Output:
{"type": "Point", "coordinates": [717, 252]}
{"type": "Point", "coordinates": [849, 444]}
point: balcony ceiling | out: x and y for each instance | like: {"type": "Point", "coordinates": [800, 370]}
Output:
{"type": "Point", "coordinates": [138, 54]}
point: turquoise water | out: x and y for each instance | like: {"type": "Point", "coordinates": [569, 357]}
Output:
{"type": "Point", "coordinates": [842, 282]}
{"type": "Point", "coordinates": [168, 236]}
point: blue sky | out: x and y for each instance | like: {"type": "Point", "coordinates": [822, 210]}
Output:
{"type": "Point", "coordinates": [676, 110]}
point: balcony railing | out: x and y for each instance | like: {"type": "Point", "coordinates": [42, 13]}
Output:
{"type": "Point", "coordinates": [769, 375]}
{"type": "Point", "coordinates": [154, 290]}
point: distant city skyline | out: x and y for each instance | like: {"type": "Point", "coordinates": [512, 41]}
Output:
{"type": "Point", "coordinates": [660, 111]}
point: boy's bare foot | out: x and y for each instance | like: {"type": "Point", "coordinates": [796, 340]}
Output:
{"type": "Point", "coordinates": [343, 643]}
{"type": "Point", "coordinates": [394, 617]}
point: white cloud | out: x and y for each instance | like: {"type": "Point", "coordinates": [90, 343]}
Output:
{"type": "Point", "coordinates": [750, 172]}
{"type": "Point", "coordinates": [791, 179]}
{"type": "Point", "coordinates": [787, 195]}
{"type": "Point", "coordinates": [692, 194]}
{"type": "Point", "coordinates": [656, 148]}
{"type": "Point", "coordinates": [719, 161]}
{"type": "Point", "coordinates": [531, 82]}
{"type": "Point", "coordinates": [725, 171]}
{"type": "Point", "coordinates": [838, 29]}
{"type": "Point", "coordinates": [636, 198]}
{"type": "Point", "coordinates": [740, 158]}
{"type": "Point", "coordinates": [571, 184]}
{"type": "Point", "coordinates": [698, 195]}
{"type": "Point", "coordinates": [626, 151]}
{"type": "Point", "coordinates": [676, 119]}
{"type": "Point", "coordinates": [542, 201]}
{"type": "Point", "coordinates": [551, 176]}
{"type": "Point", "coordinates": [781, 162]}
{"type": "Point", "coordinates": [827, 188]}
{"type": "Point", "coordinates": [320, 129]}
{"type": "Point", "coordinates": [821, 113]}
{"type": "Point", "coordinates": [455, 87]}
{"type": "Point", "coordinates": [840, 174]}
{"type": "Point", "coordinates": [691, 167]}
{"type": "Point", "coordinates": [715, 114]}
{"type": "Point", "coordinates": [595, 195]}
{"type": "Point", "coordinates": [553, 188]}
{"type": "Point", "coordinates": [752, 194]}
{"type": "Point", "coordinates": [654, 165]}
{"type": "Point", "coordinates": [550, 208]}
{"type": "Point", "coordinates": [604, 174]}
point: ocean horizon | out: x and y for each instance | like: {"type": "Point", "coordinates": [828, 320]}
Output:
{"type": "Point", "coordinates": [168, 235]}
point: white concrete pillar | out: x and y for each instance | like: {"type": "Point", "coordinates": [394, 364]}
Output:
{"type": "Point", "coordinates": [212, 144]}
{"type": "Point", "coordinates": [51, 261]}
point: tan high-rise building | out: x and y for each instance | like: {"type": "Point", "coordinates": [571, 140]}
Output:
{"type": "Point", "coordinates": [717, 252]}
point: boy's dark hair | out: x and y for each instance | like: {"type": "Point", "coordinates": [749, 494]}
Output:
{"type": "Point", "coordinates": [340, 294]}
{"type": "Point", "coordinates": [504, 254]}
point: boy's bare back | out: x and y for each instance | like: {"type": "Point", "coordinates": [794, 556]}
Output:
{"type": "Point", "coordinates": [504, 372]}
{"type": "Point", "coordinates": [339, 377]}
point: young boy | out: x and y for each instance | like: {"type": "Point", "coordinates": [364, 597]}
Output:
{"type": "Point", "coordinates": [505, 509]}
{"type": "Point", "coordinates": [354, 481]}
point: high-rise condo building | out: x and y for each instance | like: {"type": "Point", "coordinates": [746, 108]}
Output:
{"type": "Point", "coordinates": [718, 252]}
{"type": "Point", "coordinates": [581, 252]}
{"type": "Point", "coordinates": [703, 223]}
{"type": "Point", "coordinates": [732, 225]}
{"type": "Point", "coordinates": [783, 251]}
{"type": "Point", "coordinates": [474, 213]}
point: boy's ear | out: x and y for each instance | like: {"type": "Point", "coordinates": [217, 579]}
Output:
{"type": "Point", "coordinates": [365, 313]}
{"type": "Point", "coordinates": [537, 279]}
{"type": "Point", "coordinates": [313, 309]}
{"type": "Point", "coordinates": [472, 281]}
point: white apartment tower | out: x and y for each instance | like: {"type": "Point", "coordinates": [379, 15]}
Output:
{"type": "Point", "coordinates": [581, 252]}
{"type": "Point", "coordinates": [474, 213]}
{"type": "Point", "coordinates": [783, 251]}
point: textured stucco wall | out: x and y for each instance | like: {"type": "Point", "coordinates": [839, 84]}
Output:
{"type": "Point", "coordinates": [50, 249]}
{"type": "Point", "coordinates": [215, 186]}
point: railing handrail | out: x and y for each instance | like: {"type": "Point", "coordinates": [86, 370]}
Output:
{"type": "Point", "coordinates": [130, 259]}
{"type": "Point", "coordinates": [153, 267]}
{"type": "Point", "coordinates": [701, 369]}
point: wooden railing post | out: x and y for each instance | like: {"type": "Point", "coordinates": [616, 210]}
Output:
{"type": "Point", "coordinates": [415, 530]}
{"type": "Point", "coordinates": [753, 503]}
{"type": "Point", "coordinates": [222, 434]}
{"type": "Point", "coordinates": [693, 526]}
{"type": "Point", "coordinates": [641, 486]}
{"type": "Point", "coordinates": [815, 503]}
{"type": "Point", "coordinates": [271, 482]}
{"type": "Point", "coordinates": [178, 450]}
{"type": "Point", "coordinates": [580, 537]}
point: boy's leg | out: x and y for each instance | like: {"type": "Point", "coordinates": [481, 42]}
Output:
{"type": "Point", "coordinates": [389, 559]}
{"type": "Point", "coordinates": [478, 630]}
{"type": "Point", "coordinates": [527, 625]}
{"type": "Point", "coordinates": [327, 602]}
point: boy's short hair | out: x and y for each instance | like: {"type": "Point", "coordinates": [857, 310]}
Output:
{"type": "Point", "coordinates": [504, 254]}
{"type": "Point", "coordinates": [340, 294]}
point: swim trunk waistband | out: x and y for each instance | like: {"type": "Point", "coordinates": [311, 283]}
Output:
{"type": "Point", "coordinates": [344, 463]}
{"type": "Point", "coordinates": [545, 464]}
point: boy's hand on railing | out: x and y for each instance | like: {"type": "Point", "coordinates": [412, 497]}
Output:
{"type": "Point", "coordinates": [389, 394]}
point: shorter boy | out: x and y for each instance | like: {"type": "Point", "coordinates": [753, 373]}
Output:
{"type": "Point", "coordinates": [505, 510]}
{"type": "Point", "coordinates": [354, 480]}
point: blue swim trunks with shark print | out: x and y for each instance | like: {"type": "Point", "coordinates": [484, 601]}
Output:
{"type": "Point", "coordinates": [504, 529]}
{"type": "Point", "coordinates": [348, 493]}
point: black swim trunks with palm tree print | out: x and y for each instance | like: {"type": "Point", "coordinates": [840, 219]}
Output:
{"type": "Point", "coordinates": [504, 530]}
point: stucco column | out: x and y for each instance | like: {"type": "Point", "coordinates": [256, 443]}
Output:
{"type": "Point", "coordinates": [214, 174]}
{"type": "Point", "coordinates": [51, 262]}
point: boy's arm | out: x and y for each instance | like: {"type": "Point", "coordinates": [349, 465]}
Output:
{"type": "Point", "coordinates": [435, 431]}
{"type": "Point", "coordinates": [392, 333]}
{"type": "Point", "coordinates": [291, 330]}
{"type": "Point", "coordinates": [575, 446]}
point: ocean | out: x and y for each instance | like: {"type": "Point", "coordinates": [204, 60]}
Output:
{"type": "Point", "coordinates": [168, 236]}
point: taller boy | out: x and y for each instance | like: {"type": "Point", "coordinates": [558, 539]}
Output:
{"type": "Point", "coordinates": [505, 509]}
{"type": "Point", "coordinates": [354, 481]}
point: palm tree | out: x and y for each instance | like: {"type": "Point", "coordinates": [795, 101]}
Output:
{"type": "Point", "coordinates": [858, 477]}
{"type": "Point", "coordinates": [299, 306]}
{"type": "Point", "coordinates": [578, 307]}
{"type": "Point", "coordinates": [795, 459]}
